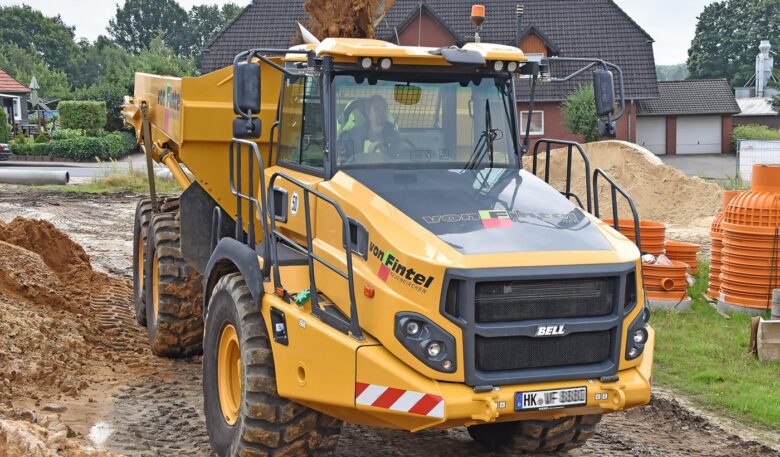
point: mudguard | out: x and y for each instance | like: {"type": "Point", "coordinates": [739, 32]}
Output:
{"type": "Point", "coordinates": [230, 256]}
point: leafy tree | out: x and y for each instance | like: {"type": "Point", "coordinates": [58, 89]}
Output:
{"type": "Point", "coordinates": [579, 113]}
{"type": "Point", "coordinates": [43, 37]}
{"type": "Point", "coordinates": [5, 127]}
{"type": "Point", "coordinates": [138, 22]}
{"type": "Point", "coordinates": [727, 38]}
{"type": "Point", "coordinates": [22, 66]}
{"type": "Point", "coordinates": [160, 59]}
{"type": "Point", "coordinates": [204, 22]}
{"type": "Point", "coordinates": [676, 72]}
{"type": "Point", "coordinates": [776, 104]}
{"type": "Point", "coordinates": [99, 61]}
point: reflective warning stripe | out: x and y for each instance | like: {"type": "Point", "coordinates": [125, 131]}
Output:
{"type": "Point", "coordinates": [405, 401]}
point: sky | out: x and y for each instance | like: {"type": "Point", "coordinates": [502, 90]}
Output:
{"type": "Point", "coordinates": [671, 23]}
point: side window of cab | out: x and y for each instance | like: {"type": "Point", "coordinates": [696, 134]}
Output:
{"type": "Point", "coordinates": [301, 141]}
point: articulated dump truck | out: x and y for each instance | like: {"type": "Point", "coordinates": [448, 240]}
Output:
{"type": "Point", "coordinates": [357, 240]}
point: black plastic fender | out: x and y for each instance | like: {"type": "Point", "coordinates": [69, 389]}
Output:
{"type": "Point", "coordinates": [231, 256]}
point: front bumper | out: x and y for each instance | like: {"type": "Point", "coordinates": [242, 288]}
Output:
{"type": "Point", "coordinates": [390, 394]}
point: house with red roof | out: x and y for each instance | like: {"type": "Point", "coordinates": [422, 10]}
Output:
{"type": "Point", "coordinates": [13, 99]}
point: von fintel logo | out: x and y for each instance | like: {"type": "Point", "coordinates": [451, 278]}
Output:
{"type": "Point", "coordinates": [495, 219]}
{"type": "Point", "coordinates": [390, 267]}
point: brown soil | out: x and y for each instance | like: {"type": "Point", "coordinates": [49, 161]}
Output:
{"type": "Point", "coordinates": [661, 193]}
{"type": "Point", "coordinates": [23, 439]}
{"type": "Point", "coordinates": [342, 18]}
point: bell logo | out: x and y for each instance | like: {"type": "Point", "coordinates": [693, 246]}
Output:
{"type": "Point", "coordinates": [550, 330]}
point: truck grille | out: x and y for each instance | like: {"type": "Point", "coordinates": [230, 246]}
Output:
{"type": "Point", "coordinates": [502, 301]}
{"type": "Point", "coordinates": [521, 352]}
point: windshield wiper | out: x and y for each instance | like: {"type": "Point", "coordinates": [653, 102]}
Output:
{"type": "Point", "coordinates": [485, 141]}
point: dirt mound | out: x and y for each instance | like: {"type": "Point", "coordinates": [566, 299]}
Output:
{"type": "Point", "coordinates": [54, 334]}
{"type": "Point", "coordinates": [660, 192]}
{"type": "Point", "coordinates": [23, 439]}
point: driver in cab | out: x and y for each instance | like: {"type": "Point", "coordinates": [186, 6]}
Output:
{"type": "Point", "coordinates": [372, 134]}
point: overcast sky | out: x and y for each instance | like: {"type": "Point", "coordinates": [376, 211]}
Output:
{"type": "Point", "coordinates": [670, 22]}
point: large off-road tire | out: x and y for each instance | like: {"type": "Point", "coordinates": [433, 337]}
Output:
{"type": "Point", "coordinates": [174, 317]}
{"type": "Point", "coordinates": [244, 414]}
{"type": "Point", "coordinates": [537, 436]}
{"type": "Point", "coordinates": [143, 215]}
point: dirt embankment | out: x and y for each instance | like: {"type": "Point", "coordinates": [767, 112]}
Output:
{"type": "Point", "coordinates": [661, 193]}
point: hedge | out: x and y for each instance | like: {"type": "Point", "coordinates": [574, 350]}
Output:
{"type": "Point", "coordinates": [74, 145]}
{"type": "Point", "coordinates": [5, 127]}
{"type": "Point", "coordinates": [753, 132]}
{"type": "Point", "coordinates": [86, 115]}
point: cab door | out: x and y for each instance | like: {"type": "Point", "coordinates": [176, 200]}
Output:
{"type": "Point", "coordinates": [300, 154]}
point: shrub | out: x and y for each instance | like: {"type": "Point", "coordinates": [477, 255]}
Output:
{"type": "Point", "coordinates": [579, 113]}
{"type": "Point", "coordinates": [41, 149]}
{"type": "Point", "coordinates": [21, 145]}
{"type": "Point", "coordinates": [86, 115]}
{"type": "Point", "coordinates": [5, 127]}
{"type": "Point", "coordinates": [63, 134]}
{"type": "Point", "coordinates": [41, 138]}
{"type": "Point", "coordinates": [753, 132]}
{"type": "Point", "coordinates": [81, 147]}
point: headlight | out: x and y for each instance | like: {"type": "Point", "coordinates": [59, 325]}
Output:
{"type": "Point", "coordinates": [511, 67]}
{"type": "Point", "coordinates": [366, 62]}
{"type": "Point", "coordinates": [498, 65]}
{"type": "Point", "coordinates": [428, 342]}
{"type": "Point", "coordinates": [385, 63]}
{"type": "Point", "coordinates": [638, 336]}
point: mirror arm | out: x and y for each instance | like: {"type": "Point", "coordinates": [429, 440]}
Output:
{"type": "Point", "coordinates": [592, 63]}
{"type": "Point", "coordinates": [527, 139]}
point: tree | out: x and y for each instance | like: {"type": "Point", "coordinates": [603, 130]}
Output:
{"type": "Point", "coordinates": [5, 127]}
{"type": "Point", "coordinates": [22, 66]}
{"type": "Point", "coordinates": [727, 38]}
{"type": "Point", "coordinates": [579, 113]}
{"type": "Point", "coordinates": [676, 72]}
{"type": "Point", "coordinates": [204, 22]}
{"type": "Point", "coordinates": [43, 37]}
{"type": "Point", "coordinates": [138, 22]}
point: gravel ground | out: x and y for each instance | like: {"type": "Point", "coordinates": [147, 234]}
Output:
{"type": "Point", "coordinates": [154, 407]}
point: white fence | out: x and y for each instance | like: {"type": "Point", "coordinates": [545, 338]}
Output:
{"type": "Point", "coordinates": [751, 152]}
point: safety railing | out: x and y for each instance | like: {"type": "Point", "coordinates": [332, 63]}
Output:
{"type": "Point", "coordinates": [570, 147]}
{"type": "Point", "coordinates": [350, 325]}
{"type": "Point", "coordinates": [254, 165]}
{"type": "Point", "coordinates": [615, 189]}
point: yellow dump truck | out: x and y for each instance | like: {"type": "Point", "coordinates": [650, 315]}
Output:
{"type": "Point", "coordinates": [357, 240]}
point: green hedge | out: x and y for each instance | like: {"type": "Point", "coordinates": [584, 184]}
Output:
{"type": "Point", "coordinates": [86, 115]}
{"type": "Point", "coordinates": [74, 145]}
{"type": "Point", "coordinates": [5, 127]}
{"type": "Point", "coordinates": [753, 132]}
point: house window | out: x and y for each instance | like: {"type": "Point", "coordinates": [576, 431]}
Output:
{"type": "Point", "coordinates": [537, 122]}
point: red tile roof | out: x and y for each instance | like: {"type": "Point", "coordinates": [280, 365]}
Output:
{"type": "Point", "coordinates": [9, 84]}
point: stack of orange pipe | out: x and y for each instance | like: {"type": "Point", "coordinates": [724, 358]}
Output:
{"type": "Point", "coordinates": [716, 235]}
{"type": "Point", "coordinates": [751, 243]}
{"type": "Point", "coordinates": [653, 234]}
{"type": "Point", "coordinates": [685, 253]}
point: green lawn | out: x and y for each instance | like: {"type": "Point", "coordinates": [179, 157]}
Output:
{"type": "Point", "coordinates": [134, 182]}
{"type": "Point", "coordinates": [704, 355]}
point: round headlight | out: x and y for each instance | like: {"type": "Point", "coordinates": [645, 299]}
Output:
{"type": "Point", "coordinates": [412, 328]}
{"type": "Point", "coordinates": [633, 352]}
{"type": "Point", "coordinates": [511, 67]}
{"type": "Point", "coordinates": [434, 349]}
{"type": "Point", "coordinates": [498, 65]}
{"type": "Point", "coordinates": [640, 336]}
{"type": "Point", "coordinates": [385, 63]}
{"type": "Point", "coordinates": [447, 365]}
{"type": "Point", "coordinates": [366, 63]}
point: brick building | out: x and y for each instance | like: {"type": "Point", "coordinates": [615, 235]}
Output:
{"type": "Point", "coordinates": [582, 28]}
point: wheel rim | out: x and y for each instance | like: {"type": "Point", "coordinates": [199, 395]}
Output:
{"type": "Point", "coordinates": [155, 287]}
{"type": "Point", "coordinates": [140, 266]}
{"type": "Point", "coordinates": [229, 374]}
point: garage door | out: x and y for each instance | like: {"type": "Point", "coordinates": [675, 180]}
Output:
{"type": "Point", "coordinates": [699, 135]}
{"type": "Point", "coordinates": [651, 133]}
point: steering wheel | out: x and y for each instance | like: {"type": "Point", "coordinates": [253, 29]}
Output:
{"type": "Point", "coordinates": [385, 144]}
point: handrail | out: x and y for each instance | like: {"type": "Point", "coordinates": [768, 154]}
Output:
{"type": "Point", "coordinates": [614, 190]}
{"type": "Point", "coordinates": [570, 147]}
{"type": "Point", "coordinates": [236, 187]}
{"type": "Point", "coordinates": [275, 235]}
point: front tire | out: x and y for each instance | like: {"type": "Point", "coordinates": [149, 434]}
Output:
{"type": "Point", "coordinates": [537, 436]}
{"type": "Point", "coordinates": [236, 345]}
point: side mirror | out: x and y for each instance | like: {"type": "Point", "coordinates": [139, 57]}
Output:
{"type": "Point", "coordinates": [604, 90]}
{"type": "Point", "coordinates": [246, 88]}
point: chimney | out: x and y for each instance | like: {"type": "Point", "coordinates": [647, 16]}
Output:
{"type": "Point", "coordinates": [519, 23]}
{"type": "Point", "coordinates": [764, 67]}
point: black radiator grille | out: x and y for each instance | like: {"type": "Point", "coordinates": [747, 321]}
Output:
{"type": "Point", "coordinates": [505, 301]}
{"type": "Point", "coordinates": [521, 352]}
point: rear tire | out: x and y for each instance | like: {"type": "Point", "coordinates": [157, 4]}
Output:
{"type": "Point", "coordinates": [537, 436]}
{"type": "Point", "coordinates": [174, 316]}
{"type": "Point", "coordinates": [143, 215]}
{"type": "Point", "coordinates": [264, 423]}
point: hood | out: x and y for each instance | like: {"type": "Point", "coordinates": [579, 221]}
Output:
{"type": "Point", "coordinates": [486, 211]}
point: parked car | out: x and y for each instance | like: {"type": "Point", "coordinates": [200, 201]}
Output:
{"type": "Point", "coordinates": [5, 151]}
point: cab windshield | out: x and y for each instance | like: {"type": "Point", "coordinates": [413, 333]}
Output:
{"type": "Point", "coordinates": [431, 122]}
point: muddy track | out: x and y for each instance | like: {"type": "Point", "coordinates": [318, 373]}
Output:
{"type": "Point", "coordinates": [154, 407]}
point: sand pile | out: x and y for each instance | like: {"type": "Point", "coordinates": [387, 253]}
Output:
{"type": "Point", "coordinates": [51, 334]}
{"type": "Point", "coordinates": [660, 192]}
{"type": "Point", "coordinates": [23, 439]}
{"type": "Point", "coordinates": [341, 18]}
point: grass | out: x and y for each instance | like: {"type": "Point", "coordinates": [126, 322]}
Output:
{"type": "Point", "coordinates": [704, 355]}
{"type": "Point", "coordinates": [115, 181]}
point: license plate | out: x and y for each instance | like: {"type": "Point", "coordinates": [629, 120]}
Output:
{"type": "Point", "coordinates": [550, 399]}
